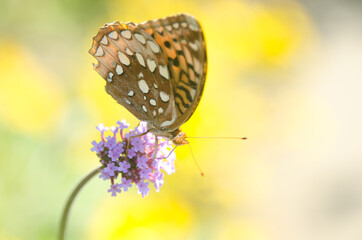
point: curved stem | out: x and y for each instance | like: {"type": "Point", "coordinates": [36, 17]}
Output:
{"type": "Point", "coordinates": [71, 198]}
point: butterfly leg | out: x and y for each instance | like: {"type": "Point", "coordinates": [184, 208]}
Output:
{"type": "Point", "coordinates": [129, 140]}
{"type": "Point", "coordinates": [173, 149]}
{"type": "Point", "coordinates": [156, 148]}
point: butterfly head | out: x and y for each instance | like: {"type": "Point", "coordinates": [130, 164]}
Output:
{"type": "Point", "coordinates": [179, 137]}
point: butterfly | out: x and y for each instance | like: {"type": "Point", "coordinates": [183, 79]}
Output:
{"type": "Point", "coordinates": [155, 69]}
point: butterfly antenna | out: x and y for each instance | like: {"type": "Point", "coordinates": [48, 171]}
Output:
{"type": "Point", "coordinates": [193, 156]}
{"type": "Point", "coordinates": [240, 138]}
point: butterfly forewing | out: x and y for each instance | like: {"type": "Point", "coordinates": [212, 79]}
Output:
{"type": "Point", "coordinates": [130, 68]}
{"type": "Point", "coordinates": [155, 69]}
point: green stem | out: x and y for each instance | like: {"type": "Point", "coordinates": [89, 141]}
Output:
{"type": "Point", "coordinates": [71, 198]}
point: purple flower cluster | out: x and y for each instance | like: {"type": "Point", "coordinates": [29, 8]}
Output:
{"type": "Point", "coordinates": [139, 167]}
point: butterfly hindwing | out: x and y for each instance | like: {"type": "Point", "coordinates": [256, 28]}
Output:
{"type": "Point", "coordinates": [183, 45]}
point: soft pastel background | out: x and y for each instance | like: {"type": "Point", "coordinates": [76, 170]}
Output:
{"type": "Point", "coordinates": [286, 74]}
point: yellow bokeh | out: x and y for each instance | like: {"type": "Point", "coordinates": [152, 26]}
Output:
{"type": "Point", "coordinates": [168, 218]}
{"type": "Point", "coordinates": [31, 98]}
{"type": "Point", "coordinates": [256, 35]}
{"type": "Point", "coordinates": [6, 236]}
{"type": "Point", "coordinates": [273, 76]}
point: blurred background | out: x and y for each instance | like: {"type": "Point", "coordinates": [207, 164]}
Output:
{"type": "Point", "coordinates": [284, 73]}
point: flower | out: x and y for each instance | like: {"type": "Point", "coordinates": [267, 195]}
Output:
{"type": "Point", "coordinates": [114, 189]}
{"type": "Point", "coordinates": [104, 174]}
{"type": "Point", "coordinates": [115, 153]}
{"type": "Point", "coordinates": [143, 188]}
{"type": "Point", "coordinates": [111, 142]}
{"type": "Point", "coordinates": [131, 153]}
{"type": "Point", "coordinates": [144, 173]}
{"type": "Point", "coordinates": [97, 147]}
{"type": "Point", "coordinates": [110, 169]}
{"type": "Point", "coordinates": [142, 127]}
{"type": "Point", "coordinates": [142, 162]}
{"type": "Point", "coordinates": [158, 180]}
{"type": "Point", "coordinates": [124, 166]}
{"type": "Point", "coordinates": [139, 167]}
{"type": "Point", "coordinates": [114, 130]}
{"type": "Point", "coordinates": [102, 129]}
{"type": "Point", "coordinates": [126, 184]}
{"type": "Point", "coordinates": [123, 124]}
